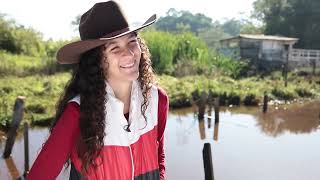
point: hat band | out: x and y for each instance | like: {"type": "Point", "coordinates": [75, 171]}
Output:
{"type": "Point", "coordinates": [115, 34]}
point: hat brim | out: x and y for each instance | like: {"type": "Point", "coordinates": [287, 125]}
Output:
{"type": "Point", "coordinates": [70, 53]}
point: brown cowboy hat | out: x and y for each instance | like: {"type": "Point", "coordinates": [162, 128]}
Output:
{"type": "Point", "coordinates": [104, 21]}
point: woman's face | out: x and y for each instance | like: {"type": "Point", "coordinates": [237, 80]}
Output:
{"type": "Point", "coordinates": [121, 58]}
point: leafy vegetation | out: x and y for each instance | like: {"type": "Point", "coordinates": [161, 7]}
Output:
{"type": "Point", "coordinates": [42, 92]}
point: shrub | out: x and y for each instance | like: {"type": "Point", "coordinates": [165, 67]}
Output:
{"type": "Point", "coordinates": [250, 100]}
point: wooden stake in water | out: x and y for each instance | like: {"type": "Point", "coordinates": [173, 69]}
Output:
{"type": "Point", "coordinates": [207, 162]}
{"type": "Point", "coordinates": [26, 149]}
{"type": "Point", "coordinates": [265, 103]}
{"type": "Point", "coordinates": [202, 105]}
{"type": "Point", "coordinates": [210, 104]}
{"type": "Point", "coordinates": [216, 109]}
{"type": "Point", "coordinates": [17, 117]}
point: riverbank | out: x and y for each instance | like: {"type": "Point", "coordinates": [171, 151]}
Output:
{"type": "Point", "coordinates": [42, 92]}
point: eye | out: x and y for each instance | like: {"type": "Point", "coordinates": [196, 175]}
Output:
{"type": "Point", "coordinates": [133, 41]}
{"type": "Point", "coordinates": [114, 49]}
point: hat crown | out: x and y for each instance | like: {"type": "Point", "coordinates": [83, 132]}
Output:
{"type": "Point", "coordinates": [102, 19]}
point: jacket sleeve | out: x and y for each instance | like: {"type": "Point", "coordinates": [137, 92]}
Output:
{"type": "Point", "coordinates": [163, 108]}
{"type": "Point", "coordinates": [57, 148]}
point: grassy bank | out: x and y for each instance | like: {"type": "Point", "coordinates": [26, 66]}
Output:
{"type": "Point", "coordinates": [23, 65]}
{"type": "Point", "coordinates": [42, 92]}
{"type": "Point", "coordinates": [247, 91]}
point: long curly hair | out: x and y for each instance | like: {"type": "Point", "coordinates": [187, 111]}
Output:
{"type": "Point", "coordinates": [88, 81]}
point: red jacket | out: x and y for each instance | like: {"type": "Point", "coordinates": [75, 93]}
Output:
{"type": "Point", "coordinates": [143, 159]}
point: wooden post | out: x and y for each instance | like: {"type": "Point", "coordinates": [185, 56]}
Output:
{"type": "Point", "coordinates": [202, 105]}
{"type": "Point", "coordinates": [17, 117]}
{"type": "Point", "coordinates": [265, 103]}
{"type": "Point", "coordinates": [314, 64]}
{"type": "Point", "coordinates": [286, 66]}
{"type": "Point", "coordinates": [209, 116]}
{"type": "Point", "coordinates": [216, 110]}
{"type": "Point", "coordinates": [317, 60]}
{"type": "Point", "coordinates": [207, 162]}
{"type": "Point", "coordinates": [210, 98]}
{"type": "Point", "coordinates": [210, 104]}
{"type": "Point", "coordinates": [26, 149]}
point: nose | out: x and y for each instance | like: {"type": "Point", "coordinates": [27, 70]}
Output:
{"type": "Point", "coordinates": [128, 52]}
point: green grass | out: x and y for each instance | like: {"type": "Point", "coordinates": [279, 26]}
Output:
{"type": "Point", "coordinates": [11, 64]}
{"type": "Point", "coordinates": [240, 91]}
{"type": "Point", "coordinates": [22, 65]}
{"type": "Point", "coordinates": [42, 92]}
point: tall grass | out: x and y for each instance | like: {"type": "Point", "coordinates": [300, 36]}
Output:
{"type": "Point", "coordinates": [22, 65]}
{"type": "Point", "coordinates": [171, 51]}
{"type": "Point", "coordinates": [41, 92]}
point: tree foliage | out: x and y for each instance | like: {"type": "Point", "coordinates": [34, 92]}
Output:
{"type": "Point", "coordinates": [181, 21]}
{"type": "Point", "coordinates": [17, 39]}
{"type": "Point", "coordinates": [293, 18]}
{"type": "Point", "coordinates": [201, 25]}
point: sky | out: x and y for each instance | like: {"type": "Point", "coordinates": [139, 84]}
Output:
{"type": "Point", "coordinates": [53, 17]}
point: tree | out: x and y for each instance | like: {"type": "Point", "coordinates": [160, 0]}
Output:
{"type": "Point", "coordinates": [249, 28]}
{"type": "Point", "coordinates": [76, 22]}
{"type": "Point", "coordinates": [213, 36]}
{"type": "Point", "coordinates": [293, 18]}
{"type": "Point", "coordinates": [232, 27]}
{"type": "Point", "coordinates": [181, 21]}
{"type": "Point", "coordinates": [17, 39]}
{"type": "Point", "coordinates": [6, 37]}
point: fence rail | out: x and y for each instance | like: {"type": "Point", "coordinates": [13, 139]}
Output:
{"type": "Point", "coordinates": [305, 55]}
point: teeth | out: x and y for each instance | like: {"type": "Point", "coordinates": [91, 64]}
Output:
{"type": "Point", "coordinates": [128, 65]}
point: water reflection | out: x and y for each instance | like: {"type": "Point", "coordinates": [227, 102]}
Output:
{"type": "Point", "coordinates": [296, 119]}
{"type": "Point", "coordinates": [216, 131]}
{"type": "Point", "coordinates": [202, 129]}
{"type": "Point", "coordinates": [183, 130]}
{"type": "Point", "coordinates": [12, 169]}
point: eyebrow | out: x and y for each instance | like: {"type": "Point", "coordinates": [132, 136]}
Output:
{"type": "Point", "coordinates": [109, 43]}
{"type": "Point", "coordinates": [114, 42]}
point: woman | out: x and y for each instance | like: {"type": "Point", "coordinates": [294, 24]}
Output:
{"type": "Point", "coordinates": [111, 118]}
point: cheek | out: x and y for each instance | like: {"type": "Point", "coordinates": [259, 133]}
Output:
{"type": "Point", "coordinates": [137, 52]}
{"type": "Point", "coordinates": [105, 64]}
{"type": "Point", "coordinates": [108, 65]}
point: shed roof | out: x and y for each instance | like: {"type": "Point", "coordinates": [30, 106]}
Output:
{"type": "Point", "coordinates": [262, 37]}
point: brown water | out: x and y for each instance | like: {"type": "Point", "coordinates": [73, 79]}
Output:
{"type": "Point", "coordinates": [283, 144]}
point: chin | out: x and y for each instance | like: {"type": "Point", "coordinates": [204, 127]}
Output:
{"type": "Point", "coordinates": [133, 77]}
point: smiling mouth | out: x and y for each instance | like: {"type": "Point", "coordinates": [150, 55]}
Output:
{"type": "Point", "coordinates": [128, 65]}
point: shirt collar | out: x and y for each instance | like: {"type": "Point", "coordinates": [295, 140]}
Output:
{"type": "Point", "coordinates": [134, 98]}
{"type": "Point", "coordinates": [134, 89]}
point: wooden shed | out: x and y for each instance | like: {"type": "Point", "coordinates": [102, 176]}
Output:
{"type": "Point", "coordinates": [270, 52]}
{"type": "Point", "coordinates": [258, 47]}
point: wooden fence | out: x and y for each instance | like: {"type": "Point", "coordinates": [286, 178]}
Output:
{"type": "Point", "coordinates": [305, 57]}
